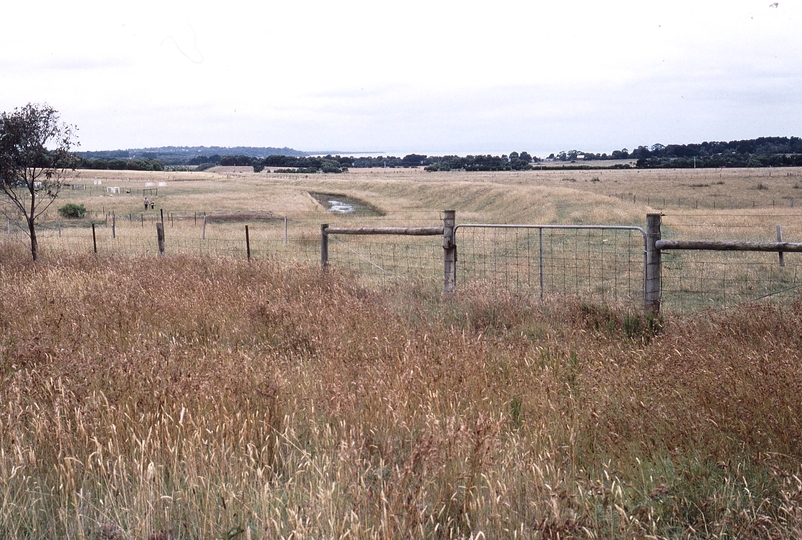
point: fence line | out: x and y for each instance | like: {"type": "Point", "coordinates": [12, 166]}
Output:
{"type": "Point", "coordinates": [712, 273]}
{"type": "Point", "coordinates": [623, 263]}
{"type": "Point", "coordinates": [613, 273]}
{"type": "Point", "coordinates": [446, 230]}
{"type": "Point", "coordinates": [780, 247]}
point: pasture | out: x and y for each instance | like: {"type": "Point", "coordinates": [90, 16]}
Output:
{"type": "Point", "coordinates": [197, 396]}
{"type": "Point", "coordinates": [284, 213]}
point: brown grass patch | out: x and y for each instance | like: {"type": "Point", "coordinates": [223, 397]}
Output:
{"type": "Point", "coordinates": [212, 397]}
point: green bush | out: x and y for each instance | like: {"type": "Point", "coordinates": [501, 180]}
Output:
{"type": "Point", "coordinates": [72, 210]}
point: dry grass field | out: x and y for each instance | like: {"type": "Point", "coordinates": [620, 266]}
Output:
{"type": "Point", "coordinates": [536, 196]}
{"type": "Point", "coordinates": [709, 204]}
{"type": "Point", "coordinates": [197, 396]}
{"type": "Point", "coordinates": [194, 397]}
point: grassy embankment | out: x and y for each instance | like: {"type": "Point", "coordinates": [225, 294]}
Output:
{"type": "Point", "coordinates": [220, 399]}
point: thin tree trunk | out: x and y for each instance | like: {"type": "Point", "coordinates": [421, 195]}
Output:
{"type": "Point", "coordinates": [34, 243]}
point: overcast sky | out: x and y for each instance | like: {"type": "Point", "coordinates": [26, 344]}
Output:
{"type": "Point", "coordinates": [430, 77]}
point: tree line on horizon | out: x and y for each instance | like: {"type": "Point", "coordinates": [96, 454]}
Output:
{"type": "Point", "coordinates": [760, 152]}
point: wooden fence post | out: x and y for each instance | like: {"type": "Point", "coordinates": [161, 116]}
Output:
{"type": "Point", "coordinates": [324, 246]}
{"type": "Point", "coordinates": [94, 238]}
{"type": "Point", "coordinates": [113, 225]}
{"type": "Point", "coordinates": [449, 251]}
{"type": "Point", "coordinates": [247, 242]}
{"type": "Point", "coordinates": [203, 235]}
{"type": "Point", "coordinates": [160, 237]}
{"type": "Point", "coordinates": [651, 293]}
{"type": "Point", "coordinates": [780, 239]}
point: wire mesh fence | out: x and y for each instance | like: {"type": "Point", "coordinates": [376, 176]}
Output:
{"type": "Point", "coordinates": [604, 262]}
{"type": "Point", "coordinates": [387, 259]}
{"type": "Point", "coordinates": [383, 259]}
{"type": "Point", "coordinates": [702, 280]}
{"type": "Point", "coordinates": [184, 235]}
{"type": "Point", "coordinates": [597, 261]}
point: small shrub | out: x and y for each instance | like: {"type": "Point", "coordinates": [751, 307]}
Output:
{"type": "Point", "coordinates": [761, 186]}
{"type": "Point", "coordinates": [72, 211]}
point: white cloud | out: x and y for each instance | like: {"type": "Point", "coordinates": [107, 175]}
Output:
{"type": "Point", "coordinates": [415, 75]}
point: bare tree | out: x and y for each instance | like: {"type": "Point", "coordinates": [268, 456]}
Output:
{"type": "Point", "coordinates": [34, 157]}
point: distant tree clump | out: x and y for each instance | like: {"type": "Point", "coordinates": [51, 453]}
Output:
{"type": "Point", "coordinates": [513, 162]}
{"type": "Point", "coordinates": [760, 152]}
{"type": "Point", "coordinates": [236, 161]}
{"type": "Point", "coordinates": [120, 164]}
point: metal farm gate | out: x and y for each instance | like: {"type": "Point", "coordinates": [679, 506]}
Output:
{"type": "Point", "coordinates": [602, 261]}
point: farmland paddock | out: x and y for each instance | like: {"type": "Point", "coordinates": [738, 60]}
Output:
{"type": "Point", "coordinates": [539, 233]}
{"type": "Point", "coordinates": [202, 395]}
{"type": "Point", "coordinates": [616, 263]}
{"type": "Point", "coordinates": [685, 266]}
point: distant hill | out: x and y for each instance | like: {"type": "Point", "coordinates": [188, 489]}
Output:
{"type": "Point", "coordinates": [178, 155]}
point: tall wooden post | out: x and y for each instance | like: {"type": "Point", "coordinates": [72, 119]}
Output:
{"type": "Point", "coordinates": [94, 239]}
{"type": "Point", "coordinates": [160, 237]}
{"type": "Point", "coordinates": [203, 235]}
{"type": "Point", "coordinates": [651, 293]}
{"type": "Point", "coordinates": [324, 246]}
{"type": "Point", "coordinates": [247, 242]}
{"type": "Point", "coordinates": [113, 225]}
{"type": "Point", "coordinates": [449, 251]}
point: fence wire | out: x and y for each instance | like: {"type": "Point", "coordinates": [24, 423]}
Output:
{"type": "Point", "coordinates": [701, 280]}
{"type": "Point", "coordinates": [604, 263]}
{"type": "Point", "coordinates": [382, 259]}
{"type": "Point", "coordinates": [183, 237]}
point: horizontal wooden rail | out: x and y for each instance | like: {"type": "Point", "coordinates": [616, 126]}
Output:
{"type": "Point", "coordinates": [788, 247]}
{"type": "Point", "coordinates": [408, 231]}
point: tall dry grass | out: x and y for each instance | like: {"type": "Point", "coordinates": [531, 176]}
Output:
{"type": "Point", "coordinates": [205, 398]}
